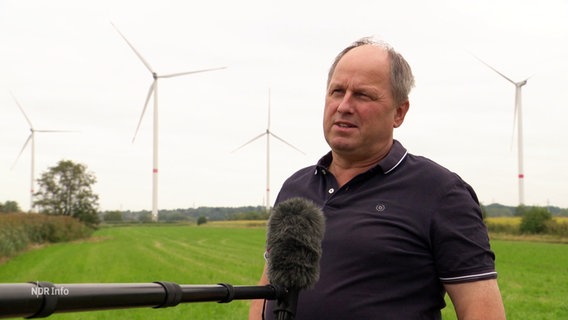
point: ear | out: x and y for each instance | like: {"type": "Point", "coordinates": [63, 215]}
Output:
{"type": "Point", "coordinates": [400, 113]}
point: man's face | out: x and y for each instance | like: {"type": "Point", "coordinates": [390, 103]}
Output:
{"type": "Point", "coordinates": [360, 113]}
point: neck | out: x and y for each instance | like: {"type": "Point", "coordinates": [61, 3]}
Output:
{"type": "Point", "coordinates": [345, 168]}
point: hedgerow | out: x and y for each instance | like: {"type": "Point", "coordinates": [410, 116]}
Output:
{"type": "Point", "coordinates": [19, 231]}
{"type": "Point", "coordinates": [555, 226]}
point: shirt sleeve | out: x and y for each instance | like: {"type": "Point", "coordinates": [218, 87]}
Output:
{"type": "Point", "coordinates": [460, 241]}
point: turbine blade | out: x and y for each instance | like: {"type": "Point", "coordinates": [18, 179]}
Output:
{"type": "Point", "coordinates": [490, 67]}
{"type": "Point", "coordinates": [134, 49]}
{"type": "Point", "coordinates": [269, 99]}
{"type": "Point", "coordinates": [152, 87]}
{"type": "Point", "coordinates": [55, 131]}
{"type": "Point", "coordinates": [22, 109]}
{"type": "Point", "coordinates": [249, 142]}
{"type": "Point", "coordinates": [189, 72]}
{"type": "Point", "coordinates": [277, 137]}
{"type": "Point", "coordinates": [22, 151]}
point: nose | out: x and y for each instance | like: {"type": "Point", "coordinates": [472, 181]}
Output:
{"type": "Point", "coordinates": [344, 105]}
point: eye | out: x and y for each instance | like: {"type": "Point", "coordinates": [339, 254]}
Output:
{"type": "Point", "coordinates": [336, 92]}
{"type": "Point", "coordinates": [366, 96]}
{"type": "Point", "coordinates": [362, 95]}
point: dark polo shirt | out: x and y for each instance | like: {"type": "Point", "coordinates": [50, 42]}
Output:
{"type": "Point", "coordinates": [393, 236]}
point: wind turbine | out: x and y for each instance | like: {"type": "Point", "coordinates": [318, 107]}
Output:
{"type": "Point", "coordinates": [267, 133]}
{"type": "Point", "coordinates": [154, 91]}
{"type": "Point", "coordinates": [518, 119]}
{"type": "Point", "coordinates": [31, 138]}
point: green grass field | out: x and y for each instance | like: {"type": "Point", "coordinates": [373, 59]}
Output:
{"type": "Point", "coordinates": [182, 254]}
{"type": "Point", "coordinates": [533, 276]}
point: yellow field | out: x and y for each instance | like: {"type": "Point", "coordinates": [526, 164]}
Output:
{"type": "Point", "coordinates": [561, 219]}
{"type": "Point", "coordinates": [237, 223]}
{"type": "Point", "coordinates": [507, 228]}
{"type": "Point", "coordinates": [516, 221]}
{"type": "Point", "coordinates": [511, 221]}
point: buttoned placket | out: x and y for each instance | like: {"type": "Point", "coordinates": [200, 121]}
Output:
{"type": "Point", "coordinates": [331, 185]}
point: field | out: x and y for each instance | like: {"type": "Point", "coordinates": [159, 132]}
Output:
{"type": "Point", "coordinates": [532, 276]}
{"type": "Point", "coordinates": [516, 221]}
{"type": "Point", "coordinates": [182, 254]}
{"type": "Point", "coordinates": [508, 228]}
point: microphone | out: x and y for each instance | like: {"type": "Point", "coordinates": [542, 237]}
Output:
{"type": "Point", "coordinates": [293, 240]}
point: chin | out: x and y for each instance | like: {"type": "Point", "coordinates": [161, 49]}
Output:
{"type": "Point", "coordinates": [342, 147]}
{"type": "Point", "coordinates": [341, 143]}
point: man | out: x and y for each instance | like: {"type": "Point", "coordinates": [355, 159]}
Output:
{"type": "Point", "coordinates": [401, 230]}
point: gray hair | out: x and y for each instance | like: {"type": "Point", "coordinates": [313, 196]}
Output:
{"type": "Point", "coordinates": [401, 78]}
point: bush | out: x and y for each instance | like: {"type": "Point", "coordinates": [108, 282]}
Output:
{"type": "Point", "coordinates": [18, 231]}
{"type": "Point", "coordinates": [10, 207]}
{"type": "Point", "coordinates": [201, 220]}
{"type": "Point", "coordinates": [535, 220]}
{"type": "Point", "coordinates": [558, 228]}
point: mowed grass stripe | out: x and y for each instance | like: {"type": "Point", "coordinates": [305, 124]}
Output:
{"type": "Point", "coordinates": [199, 253]}
{"type": "Point", "coordinates": [199, 261]}
{"type": "Point", "coordinates": [217, 247]}
{"type": "Point", "coordinates": [192, 263]}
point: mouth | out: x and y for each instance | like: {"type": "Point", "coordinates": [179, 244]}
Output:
{"type": "Point", "coordinates": [343, 124]}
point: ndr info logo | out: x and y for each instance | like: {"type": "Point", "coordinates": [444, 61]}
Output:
{"type": "Point", "coordinates": [49, 291]}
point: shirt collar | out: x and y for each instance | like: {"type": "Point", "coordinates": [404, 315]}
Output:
{"type": "Point", "coordinates": [396, 155]}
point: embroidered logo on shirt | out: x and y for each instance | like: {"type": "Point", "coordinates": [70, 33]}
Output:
{"type": "Point", "coordinates": [381, 207]}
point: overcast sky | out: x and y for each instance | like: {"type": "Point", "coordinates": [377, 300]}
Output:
{"type": "Point", "coordinates": [70, 70]}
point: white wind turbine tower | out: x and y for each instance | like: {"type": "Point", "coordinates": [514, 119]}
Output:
{"type": "Point", "coordinates": [154, 91]}
{"type": "Point", "coordinates": [518, 119]}
{"type": "Point", "coordinates": [31, 138]}
{"type": "Point", "coordinates": [267, 133]}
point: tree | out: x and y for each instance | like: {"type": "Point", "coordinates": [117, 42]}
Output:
{"type": "Point", "coordinates": [10, 207]}
{"type": "Point", "coordinates": [201, 220]}
{"type": "Point", "coordinates": [145, 217]}
{"type": "Point", "coordinates": [483, 211]}
{"type": "Point", "coordinates": [535, 220]}
{"type": "Point", "coordinates": [520, 210]}
{"type": "Point", "coordinates": [66, 190]}
{"type": "Point", "coordinates": [113, 217]}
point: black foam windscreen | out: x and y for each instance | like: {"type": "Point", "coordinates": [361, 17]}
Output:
{"type": "Point", "coordinates": [295, 232]}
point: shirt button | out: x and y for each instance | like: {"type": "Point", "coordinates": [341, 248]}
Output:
{"type": "Point", "coordinates": [331, 190]}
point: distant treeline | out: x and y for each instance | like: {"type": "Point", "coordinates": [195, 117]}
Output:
{"type": "Point", "coordinates": [259, 213]}
{"type": "Point", "coordinates": [188, 215]}
{"type": "Point", "coordinates": [499, 210]}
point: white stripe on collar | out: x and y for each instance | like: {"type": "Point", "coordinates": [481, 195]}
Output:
{"type": "Point", "coordinates": [396, 165]}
